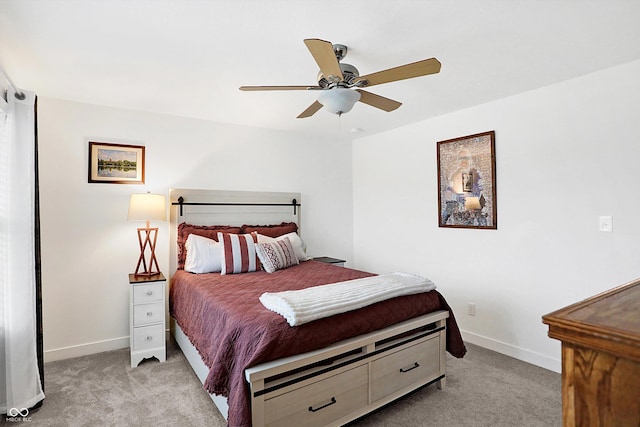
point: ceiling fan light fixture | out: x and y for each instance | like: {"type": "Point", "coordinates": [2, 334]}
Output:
{"type": "Point", "coordinates": [338, 100]}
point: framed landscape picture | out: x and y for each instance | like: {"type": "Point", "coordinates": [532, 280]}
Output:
{"type": "Point", "coordinates": [116, 163]}
{"type": "Point", "coordinates": [467, 182]}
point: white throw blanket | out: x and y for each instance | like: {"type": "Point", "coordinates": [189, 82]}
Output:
{"type": "Point", "coordinates": [313, 303]}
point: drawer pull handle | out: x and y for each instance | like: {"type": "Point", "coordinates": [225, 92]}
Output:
{"type": "Point", "coordinates": [331, 402]}
{"type": "Point", "coordinates": [415, 365]}
{"type": "Point", "coordinates": [149, 313]}
{"type": "Point", "coordinates": [149, 338]}
{"type": "Point", "coordinates": [149, 293]}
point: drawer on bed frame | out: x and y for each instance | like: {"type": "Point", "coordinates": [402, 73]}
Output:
{"type": "Point", "coordinates": [340, 383]}
{"type": "Point", "coordinates": [403, 368]}
{"type": "Point", "coordinates": [321, 402]}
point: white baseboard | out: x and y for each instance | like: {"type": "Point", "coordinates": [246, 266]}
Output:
{"type": "Point", "coordinates": [89, 348]}
{"type": "Point", "coordinates": [519, 353]}
{"type": "Point", "coordinates": [501, 347]}
{"type": "Point", "coordinates": [84, 349]}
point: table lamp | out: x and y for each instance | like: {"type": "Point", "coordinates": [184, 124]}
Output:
{"type": "Point", "coordinates": [147, 207]}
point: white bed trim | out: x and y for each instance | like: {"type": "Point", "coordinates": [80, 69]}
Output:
{"type": "Point", "coordinates": [199, 368]}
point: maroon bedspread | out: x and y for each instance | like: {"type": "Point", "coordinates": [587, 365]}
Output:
{"type": "Point", "coordinates": [231, 329]}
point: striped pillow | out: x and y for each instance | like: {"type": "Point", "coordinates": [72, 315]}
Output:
{"type": "Point", "coordinates": [238, 253]}
{"type": "Point", "coordinates": [276, 255]}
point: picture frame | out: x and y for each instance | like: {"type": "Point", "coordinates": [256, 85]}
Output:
{"type": "Point", "coordinates": [467, 182]}
{"type": "Point", "coordinates": [111, 163]}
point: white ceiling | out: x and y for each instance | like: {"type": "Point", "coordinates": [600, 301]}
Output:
{"type": "Point", "coordinates": [188, 57]}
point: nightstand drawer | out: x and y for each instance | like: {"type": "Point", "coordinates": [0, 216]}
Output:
{"type": "Point", "coordinates": [148, 293]}
{"type": "Point", "coordinates": [144, 314]}
{"type": "Point", "coordinates": [148, 337]}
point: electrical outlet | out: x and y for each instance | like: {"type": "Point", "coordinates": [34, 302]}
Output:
{"type": "Point", "coordinates": [471, 309]}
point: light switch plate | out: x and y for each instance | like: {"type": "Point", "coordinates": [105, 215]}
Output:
{"type": "Point", "coordinates": [606, 224]}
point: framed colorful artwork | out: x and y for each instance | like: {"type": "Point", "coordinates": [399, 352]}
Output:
{"type": "Point", "coordinates": [116, 163]}
{"type": "Point", "coordinates": [467, 182]}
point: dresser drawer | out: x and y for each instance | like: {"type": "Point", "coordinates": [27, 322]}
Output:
{"type": "Point", "coordinates": [147, 337]}
{"type": "Point", "coordinates": [320, 403]}
{"type": "Point", "coordinates": [148, 293]}
{"type": "Point", "coordinates": [145, 314]}
{"type": "Point", "coordinates": [403, 368]}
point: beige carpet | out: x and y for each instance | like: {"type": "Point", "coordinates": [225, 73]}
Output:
{"type": "Point", "coordinates": [483, 389]}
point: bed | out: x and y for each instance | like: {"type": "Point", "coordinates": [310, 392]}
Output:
{"type": "Point", "coordinates": [261, 371]}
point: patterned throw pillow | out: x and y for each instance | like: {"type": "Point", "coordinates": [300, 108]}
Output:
{"type": "Point", "coordinates": [276, 255]}
{"type": "Point", "coordinates": [238, 254]}
{"type": "Point", "coordinates": [298, 245]}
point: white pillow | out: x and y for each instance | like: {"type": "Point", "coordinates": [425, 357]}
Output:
{"type": "Point", "coordinates": [203, 255]}
{"type": "Point", "coordinates": [276, 255]}
{"type": "Point", "coordinates": [296, 241]}
{"type": "Point", "coordinates": [298, 246]}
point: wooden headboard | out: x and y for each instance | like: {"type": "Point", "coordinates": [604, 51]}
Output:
{"type": "Point", "coordinates": [216, 207]}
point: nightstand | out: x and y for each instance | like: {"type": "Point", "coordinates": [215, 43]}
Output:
{"type": "Point", "coordinates": [329, 260]}
{"type": "Point", "coordinates": [147, 318]}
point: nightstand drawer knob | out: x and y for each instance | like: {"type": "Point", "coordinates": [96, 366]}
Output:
{"type": "Point", "coordinates": [149, 313]}
{"type": "Point", "coordinates": [149, 338]}
{"type": "Point", "coordinates": [149, 293]}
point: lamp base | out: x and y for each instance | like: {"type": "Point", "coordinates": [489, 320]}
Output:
{"type": "Point", "coordinates": [146, 273]}
{"type": "Point", "coordinates": [150, 239]}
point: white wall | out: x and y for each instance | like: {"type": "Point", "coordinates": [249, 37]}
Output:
{"type": "Point", "coordinates": [565, 155]}
{"type": "Point", "coordinates": [88, 246]}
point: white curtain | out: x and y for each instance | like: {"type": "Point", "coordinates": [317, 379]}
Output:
{"type": "Point", "coordinates": [20, 385]}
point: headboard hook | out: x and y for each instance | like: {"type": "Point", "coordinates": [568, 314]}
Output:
{"type": "Point", "coordinates": [181, 201]}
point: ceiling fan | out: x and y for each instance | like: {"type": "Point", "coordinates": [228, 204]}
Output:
{"type": "Point", "coordinates": [340, 84]}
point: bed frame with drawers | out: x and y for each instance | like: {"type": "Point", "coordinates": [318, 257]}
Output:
{"type": "Point", "coordinates": [333, 385]}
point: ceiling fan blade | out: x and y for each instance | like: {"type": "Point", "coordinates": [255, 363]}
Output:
{"type": "Point", "coordinates": [252, 88]}
{"type": "Point", "coordinates": [311, 110]}
{"type": "Point", "coordinates": [322, 52]}
{"type": "Point", "coordinates": [378, 101]}
{"type": "Point", "coordinates": [408, 71]}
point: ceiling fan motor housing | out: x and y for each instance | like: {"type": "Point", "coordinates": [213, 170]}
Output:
{"type": "Point", "coordinates": [349, 72]}
{"type": "Point", "coordinates": [340, 50]}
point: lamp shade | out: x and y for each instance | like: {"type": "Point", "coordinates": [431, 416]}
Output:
{"type": "Point", "coordinates": [147, 207]}
{"type": "Point", "coordinates": [338, 100]}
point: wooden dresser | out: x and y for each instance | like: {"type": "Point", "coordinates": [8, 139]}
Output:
{"type": "Point", "coordinates": [600, 358]}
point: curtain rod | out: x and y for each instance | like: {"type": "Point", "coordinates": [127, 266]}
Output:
{"type": "Point", "coordinates": [18, 93]}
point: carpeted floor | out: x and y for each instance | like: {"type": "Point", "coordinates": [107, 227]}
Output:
{"type": "Point", "coordinates": [483, 389]}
